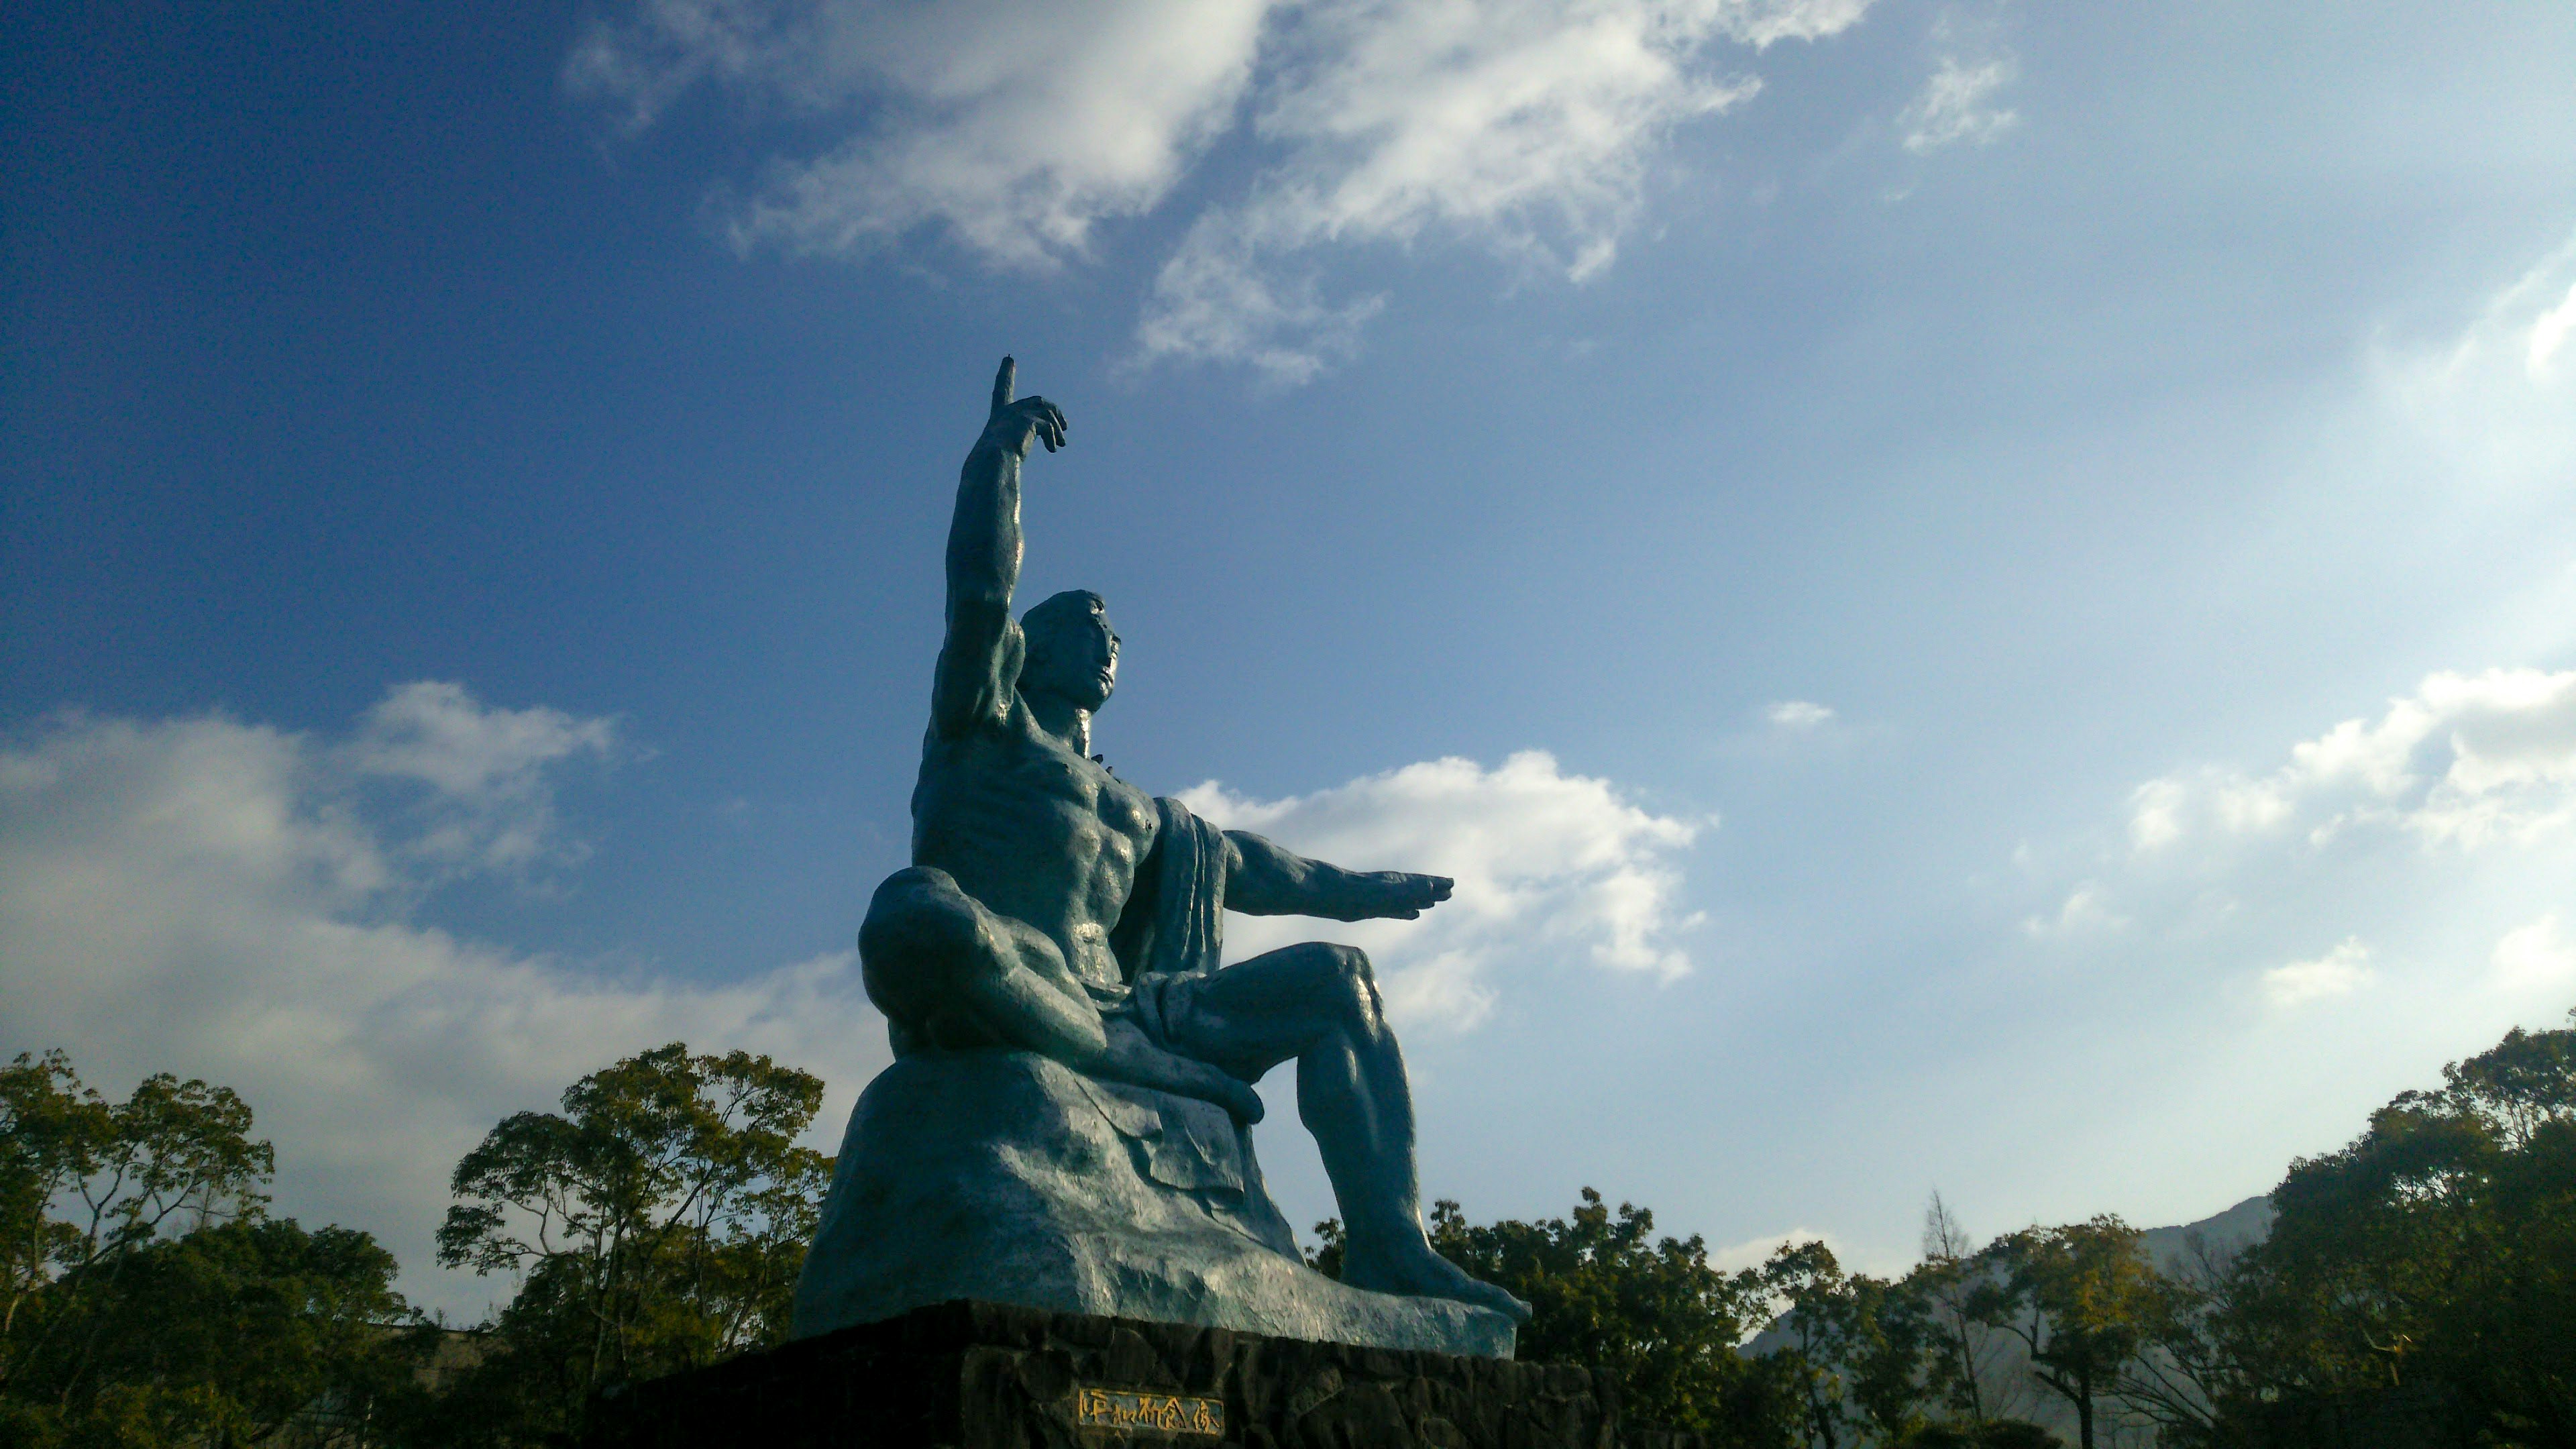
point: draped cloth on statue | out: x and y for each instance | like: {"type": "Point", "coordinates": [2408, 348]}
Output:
{"type": "Point", "coordinates": [1173, 932]}
{"type": "Point", "coordinates": [1009, 1177]}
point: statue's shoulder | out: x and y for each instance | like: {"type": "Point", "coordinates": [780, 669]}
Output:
{"type": "Point", "coordinates": [1008, 730]}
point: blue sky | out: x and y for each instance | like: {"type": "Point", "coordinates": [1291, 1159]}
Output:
{"type": "Point", "coordinates": [1982, 597]}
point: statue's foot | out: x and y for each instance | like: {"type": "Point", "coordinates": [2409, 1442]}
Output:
{"type": "Point", "coordinates": [1415, 1271]}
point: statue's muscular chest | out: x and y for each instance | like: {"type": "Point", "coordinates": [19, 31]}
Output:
{"type": "Point", "coordinates": [1021, 800]}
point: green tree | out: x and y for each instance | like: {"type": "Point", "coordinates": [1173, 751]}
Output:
{"type": "Point", "coordinates": [1824, 1321]}
{"type": "Point", "coordinates": [656, 1224]}
{"type": "Point", "coordinates": [1965, 1359]}
{"type": "Point", "coordinates": [1979, 1434]}
{"type": "Point", "coordinates": [1860, 1350]}
{"type": "Point", "coordinates": [84, 1182]}
{"type": "Point", "coordinates": [1885, 1352]}
{"type": "Point", "coordinates": [2435, 1256]}
{"type": "Point", "coordinates": [1651, 1314]}
{"type": "Point", "coordinates": [150, 1299]}
{"type": "Point", "coordinates": [2083, 1300]}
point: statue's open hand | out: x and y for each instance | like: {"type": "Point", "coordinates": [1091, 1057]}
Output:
{"type": "Point", "coordinates": [1395, 895]}
{"type": "Point", "coordinates": [1013, 424]}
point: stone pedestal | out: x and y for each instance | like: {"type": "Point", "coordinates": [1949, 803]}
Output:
{"type": "Point", "coordinates": [988, 1376]}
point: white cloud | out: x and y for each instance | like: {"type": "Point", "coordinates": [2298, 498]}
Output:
{"type": "Point", "coordinates": [2496, 409]}
{"type": "Point", "coordinates": [1755, 1251]}
{"type": "Point", "coordinates": [2466, 760]}
{"type": "Point", "coordinates": [1953, 106]}
{"type": "Point", "coordinates": [231, 901]}
{"type": "Point", "coordinates": [2549, 333]}
{"type": "Point", "coordinates": [1217, 298]}
{"type": "Point", "coordinates": [2086, 909]}
{"type": "Point", "coordinates": [2339, 972]}
{"type": "Point", "coordinates": [483, 793]}
{"type": "Point", "coordinates": [1016, 126]}
{"type": "Point", "coordinates": [1526, 126]}
{"type": "Point", "coordinates": [1799, 714]}
{"type": "Point", "coordinates": [2536, 957]}
{"type": "Point", "coordinates": [2429, 829]}
{"type": "Point", "coordinates": [1549, 867]}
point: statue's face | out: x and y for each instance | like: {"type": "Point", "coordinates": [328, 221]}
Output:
{"type": "Point", "coordinates": [1076, 661]}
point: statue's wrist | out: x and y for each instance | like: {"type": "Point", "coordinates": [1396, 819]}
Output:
{"type": "Point", "coordinates": [997, 436]}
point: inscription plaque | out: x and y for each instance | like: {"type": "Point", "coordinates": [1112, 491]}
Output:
{"type": "Point", "coordinates": [1131, 1409]}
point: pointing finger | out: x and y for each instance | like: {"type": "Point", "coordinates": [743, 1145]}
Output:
{"type": "Point", "coordinates": [1003, 382]}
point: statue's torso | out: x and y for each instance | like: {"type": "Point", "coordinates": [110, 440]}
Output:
{"type": "Point", "coordinates": [1036, 832]}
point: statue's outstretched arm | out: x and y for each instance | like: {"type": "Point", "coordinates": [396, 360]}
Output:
{"type": "Point", "coordinates": [979, 660]}
{"type": "Point", "coordinates": [1261, 879]}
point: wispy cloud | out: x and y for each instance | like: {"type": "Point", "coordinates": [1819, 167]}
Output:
{"type": "Point", "coordinates": [2548, 335]}
{"type": "Point", "coordinates": [2085, 910]}
{"type": "Point", "coordinates": [1954, 105]}
{"type": "Point", "coordinates": [1017, 127]}
{"type": "Point", "coordinates": [1550, 867]}
{"type": "Point", "coordinates": [1526, 128]}
{"type": "Point", "coordinates": [1799, 714]}
{"type": "Point", "coordinates": [2339, 972]}
{"type": "Point", "coordinates": [2497, 404]}
{"type": "Point", "coordinates": [481, 781]}
{"type": "Point", "coordinates": [1522, 128]}
{"type": "Point", "coordinates": [2435, 823]}
{"type": "Point", "coordinates": [2465, 760]}
{"type": "Point", "coordinates": [2536, 957]}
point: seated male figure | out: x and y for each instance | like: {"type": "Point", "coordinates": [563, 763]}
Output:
{"type": "Point", "coordinates": [1029, 857]}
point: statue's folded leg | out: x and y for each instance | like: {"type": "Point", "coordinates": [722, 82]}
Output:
{"type": "Point", "coordinates": [953, 975]}
{"type": "Point", "coordinates": [948, 973]}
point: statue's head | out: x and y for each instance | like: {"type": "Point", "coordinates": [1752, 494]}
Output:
{"type": "Point", "coordinates": [1073, 653]}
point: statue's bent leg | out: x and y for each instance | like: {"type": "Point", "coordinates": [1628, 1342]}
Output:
{"type": "Point", "coordinates": [949, 973]}
{"type": "Point", "coordinates": [1319, 1004]}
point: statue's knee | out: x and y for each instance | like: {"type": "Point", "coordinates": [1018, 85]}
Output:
{"type": "Point", "coordinates": [1354, 982]}
{"type": "Point", "coordinates": [920, 929]}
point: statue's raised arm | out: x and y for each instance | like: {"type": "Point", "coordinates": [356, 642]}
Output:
{"type": "Point", "coordinates": [980, 659]}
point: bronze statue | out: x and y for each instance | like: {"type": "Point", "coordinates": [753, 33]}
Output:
{"type": "Point", "coordinates": [1054, 908]}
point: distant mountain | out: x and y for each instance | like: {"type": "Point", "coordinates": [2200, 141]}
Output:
{"type": "Point", "coordinates": [2238, 1228]}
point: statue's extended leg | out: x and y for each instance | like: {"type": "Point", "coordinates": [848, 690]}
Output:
{"type": "Point", "coordinates": [949, 973]}
{"type": "Point", "coordinates": [1319, 1004]}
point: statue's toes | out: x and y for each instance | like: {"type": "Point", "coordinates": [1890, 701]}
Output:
{"type": "Point", "coordinates": [1458, 1283]}
{"type": "Point", "coordinates": [1488, 1295]}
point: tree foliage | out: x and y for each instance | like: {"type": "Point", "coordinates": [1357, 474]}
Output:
{"type": "Point", "coordinates": [1652, 1314]}
{"type": "Point", "coordinates": [2083, 1300]}
{"type": "Point", "coordinates": [151, 1300]}
{"type": "Point", "coordinates": [656, 1224]}
{"type": "Point", "coordinates": [2433, 1260]}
